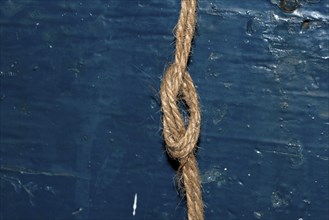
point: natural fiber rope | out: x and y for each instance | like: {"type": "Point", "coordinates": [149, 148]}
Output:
{"type": "Point", "coordinates": [176, 86]}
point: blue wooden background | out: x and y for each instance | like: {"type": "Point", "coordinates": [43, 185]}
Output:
{"type": "Point", "coordinates": [80, 129]}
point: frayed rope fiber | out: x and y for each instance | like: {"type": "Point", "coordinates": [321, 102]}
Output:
{"type": "Point", "coordinates": [177, 86]}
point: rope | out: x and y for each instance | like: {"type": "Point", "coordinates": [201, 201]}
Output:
{"type": "Point", "coordinates": [177, 85]}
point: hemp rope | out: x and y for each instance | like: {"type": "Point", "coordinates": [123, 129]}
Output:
{"type": "Point", "coordinates": [177, 85]}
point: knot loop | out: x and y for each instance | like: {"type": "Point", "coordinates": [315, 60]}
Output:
{"type": "Point", "coordinates": [177, 86]}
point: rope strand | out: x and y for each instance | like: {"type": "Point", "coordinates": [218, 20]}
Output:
{"type": "Point", "coordinates": [177, 85]}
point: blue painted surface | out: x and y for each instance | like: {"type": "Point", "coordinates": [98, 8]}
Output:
{"type": "Point", "coordinates": [80, 129]}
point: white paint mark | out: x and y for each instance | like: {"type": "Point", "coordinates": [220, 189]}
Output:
{"type": "Point", "coordinates": [135, 205]}
{"type": "Point", "coordinates": [77, 211]}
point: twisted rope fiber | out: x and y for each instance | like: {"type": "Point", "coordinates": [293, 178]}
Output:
{"type": "Point", "coordinates": [177, 85]}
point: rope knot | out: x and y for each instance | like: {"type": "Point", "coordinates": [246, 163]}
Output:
{"type": "Point", "coordinates": [178, 86]}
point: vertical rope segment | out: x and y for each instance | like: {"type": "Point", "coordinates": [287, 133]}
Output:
{"type": "Point", "coordinates": [177, 85]}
